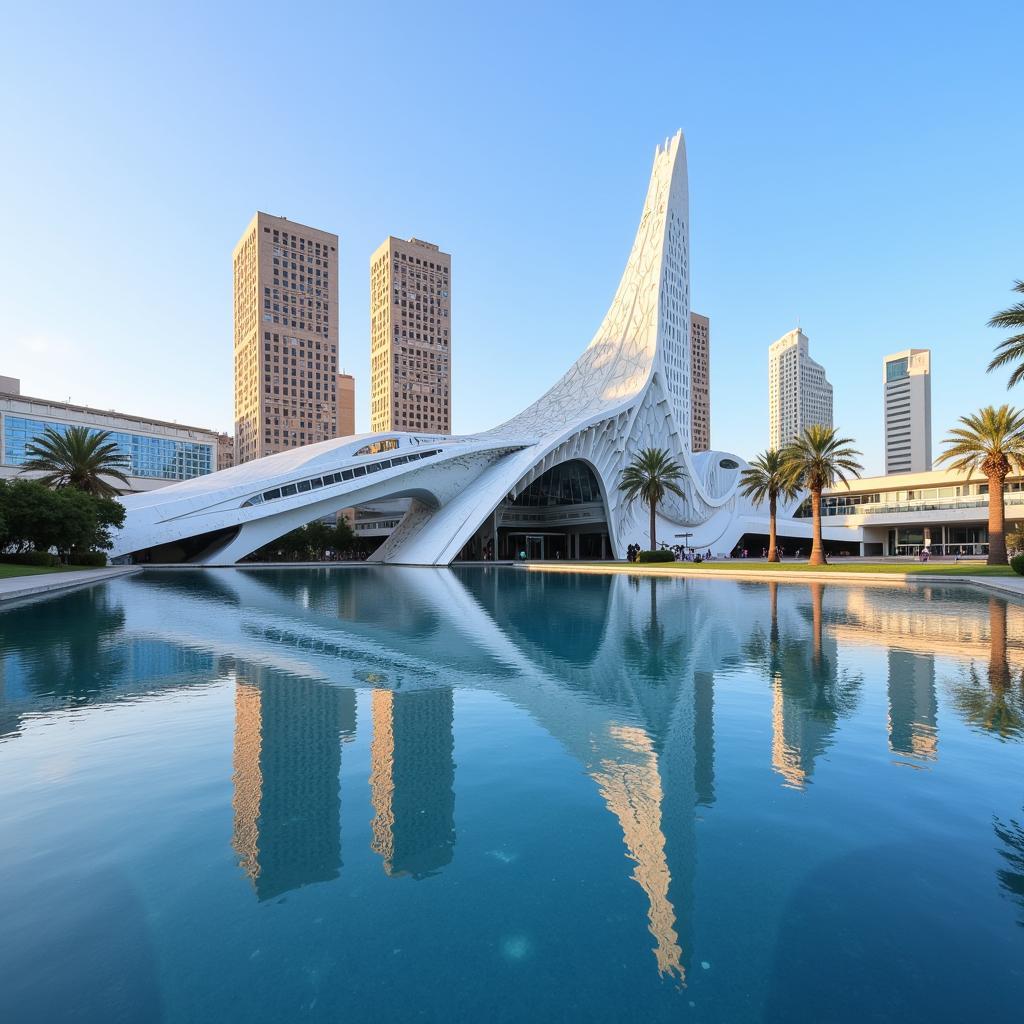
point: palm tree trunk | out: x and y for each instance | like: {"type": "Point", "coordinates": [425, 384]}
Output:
{"type": "Point", "coordinates": [998, 666]}
{"type": "Point", "coordinates": [654, 539]}
{"type": "Point", "coordinates": [996, 538]}
{"type": "Point", "coordinates": [773, 555]}
{"type": "Point", "coordinates": [817, 590]}
{"type": "Point", "coordinates": [817, 551]}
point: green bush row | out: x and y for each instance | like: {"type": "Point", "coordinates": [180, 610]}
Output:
{"type": "Point", "coordinates": [656, 556]}
{"type": "Point", "coordinates": [1017, 563]}
{"type": "Point", "coordinates": [37, 558]}
{"type": "Point", "coordinates": [90, 558]}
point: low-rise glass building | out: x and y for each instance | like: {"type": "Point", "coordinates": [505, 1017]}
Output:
{"type": "Point", "coordinates": [156, 452]}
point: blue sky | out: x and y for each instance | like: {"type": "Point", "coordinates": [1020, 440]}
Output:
{"type": "Point", "coordinates": [858, 167]}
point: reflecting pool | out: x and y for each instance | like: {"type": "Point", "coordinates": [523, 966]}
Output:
{"type": "Point", "coordinates": [377, 794]}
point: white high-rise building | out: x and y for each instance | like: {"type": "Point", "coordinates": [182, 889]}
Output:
{"type": "Point", "coordinates": [907, 390]}
{"type": "Point", "coordinates": [798, 392]}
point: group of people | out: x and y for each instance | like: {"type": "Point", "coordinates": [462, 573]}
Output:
{"type": "Point", "coordinates": [681, 553]}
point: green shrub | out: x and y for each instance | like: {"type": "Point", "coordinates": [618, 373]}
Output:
{"type": "Point", "coordinates": [1017, 564]}
{"type": "Point", "coordinates": [656, 556]}
{"type": "Point", "coordinates": [91, 558]}
{"type": "Point", "coordinates": [37, 558]}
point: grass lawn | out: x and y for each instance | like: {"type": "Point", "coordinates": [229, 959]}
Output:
{"type": "Point", "coordinates": [9, 571]}
{"type": "Point", "coordinates": [890, 568]}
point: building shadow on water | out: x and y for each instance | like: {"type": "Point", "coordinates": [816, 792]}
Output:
{"type": "Point", "coordinates": [882, 965]}
{"type": "Point", "coordinates": [95, 961]}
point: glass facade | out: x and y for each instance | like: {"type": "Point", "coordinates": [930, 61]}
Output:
{"type": "Point", "coordinates": [160, 458]}
{"type": "Point", "coordinates": [571, 483]}
{"type": "Point", "coordinates": [897, 369]}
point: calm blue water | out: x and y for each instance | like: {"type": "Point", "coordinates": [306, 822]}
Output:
{"type": "Point", "coordinates": [412, 794]}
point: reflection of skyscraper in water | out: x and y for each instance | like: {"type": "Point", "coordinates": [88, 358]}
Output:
{"type": "Point", "coordinates": [287, 762]}
{"type": "Point", "coordinates": [630, 784]}
{"type": "Point", "coordinates": [654, 794]}
{"type": "Point", "coordinates": [798, 734]}
{"type": "Point", "coordinates": [808, 698]}
{"type": "Point", "coordinates": [412, 778]}
{"type": "Point", "coordinates": [912, 705]}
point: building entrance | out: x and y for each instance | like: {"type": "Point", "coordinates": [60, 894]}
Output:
{"type": "Point", "coordinates": [560, 516]}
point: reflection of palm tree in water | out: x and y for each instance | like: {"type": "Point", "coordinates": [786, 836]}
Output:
{"type": "Point", "coordinates": [646, 650]}
{"type": "Point", "coordinates": [1011, 878]}
{"type": "Point", "coordinates": [998, 666]}
{"type": "Point", "coordinates": [999, 706]}
{"type": "Point", "coordinates": [810, 695]}
{"type": "Point", "coordinates": [817, 591]}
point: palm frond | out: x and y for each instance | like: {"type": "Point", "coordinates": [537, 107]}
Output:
{"type": "Point", "coordinates": [1011, 350]}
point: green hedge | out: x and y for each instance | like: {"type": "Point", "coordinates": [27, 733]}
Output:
{"type": "Point", "coordinates": [1017, 564]}
{"type": "Point", "coordinates": [37, 558]}
{"type": "Point", "coordinates": [91, 558]}
{"type": "Point", "coordinates": [656, 556]}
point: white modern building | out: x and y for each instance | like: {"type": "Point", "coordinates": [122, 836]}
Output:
{"type": "Point", "coordinates": [157, 452]}
{"type": "Point", "coordinates": [898, 515]}
{"type": "Point", "coordinates": [799, 394]}
{"type": "Point", "coordinates": [907, 395]}
{"type": "Point", "coordinates": [545, 482]}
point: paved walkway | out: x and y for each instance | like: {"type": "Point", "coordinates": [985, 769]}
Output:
{"type": "Point", "coordinates": [16, 587]}
{"type": "Point", "coordinates": [1007, 586]}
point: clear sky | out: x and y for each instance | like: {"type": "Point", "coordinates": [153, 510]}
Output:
{"type": "Point", "coordinates": [856, 167]}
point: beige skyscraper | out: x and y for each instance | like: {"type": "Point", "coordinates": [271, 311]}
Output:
{"type": "Point", "coordinates": [798, 392]}
{"type": "Point", "coordinates": [410, 337]}
{"type": "Point", "coordinates": [286, 337]}
{"type": "Point", "coordinates": [700, 383]}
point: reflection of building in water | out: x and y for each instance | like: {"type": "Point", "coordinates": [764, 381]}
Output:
{"type": "Point", "coordinates": [287, 761]}
{"type": "Point", "coordinates": [912, 705]}
{"type": "Point", "coordinates": [631, 787]}
{"type": "Point", "coordinates": [653, 788]}
{"type": "Point", "coordinates": [929, 626]}
{"type": "Point", "coordinates": [412, 778]}
{"type": "Point", "coordinates": [798, 735]}
{"type": "Point", "coordinates": [807, 702]}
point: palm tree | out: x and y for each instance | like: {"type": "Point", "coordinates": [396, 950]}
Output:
{"type": "Point", "coordinates": [992, 441]}
{"type": "Point", "coordinates": [651, 475]}
{"type": "Point", "coordinates": [814, 460]}
{"type": "Point", "coordinates": [767, 477]}
{"type": "Point", "coordinates": [78, 457]}
{"type": "Point", "coordinates": [1011, 350]}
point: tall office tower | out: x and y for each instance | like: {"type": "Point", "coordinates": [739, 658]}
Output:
{"type": "Point", "coordinates": [907, 385]}
{"type": "Point", "coordinates": [410, 337]}
{"type": "Point", "coordinates": [798, 392]}
{"type": "Point", "coordinates": [700, 383]}
{"type": "Point", "coordinates": [346, 404]}
{"type": "Point", "coordinates": [286, 337]}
